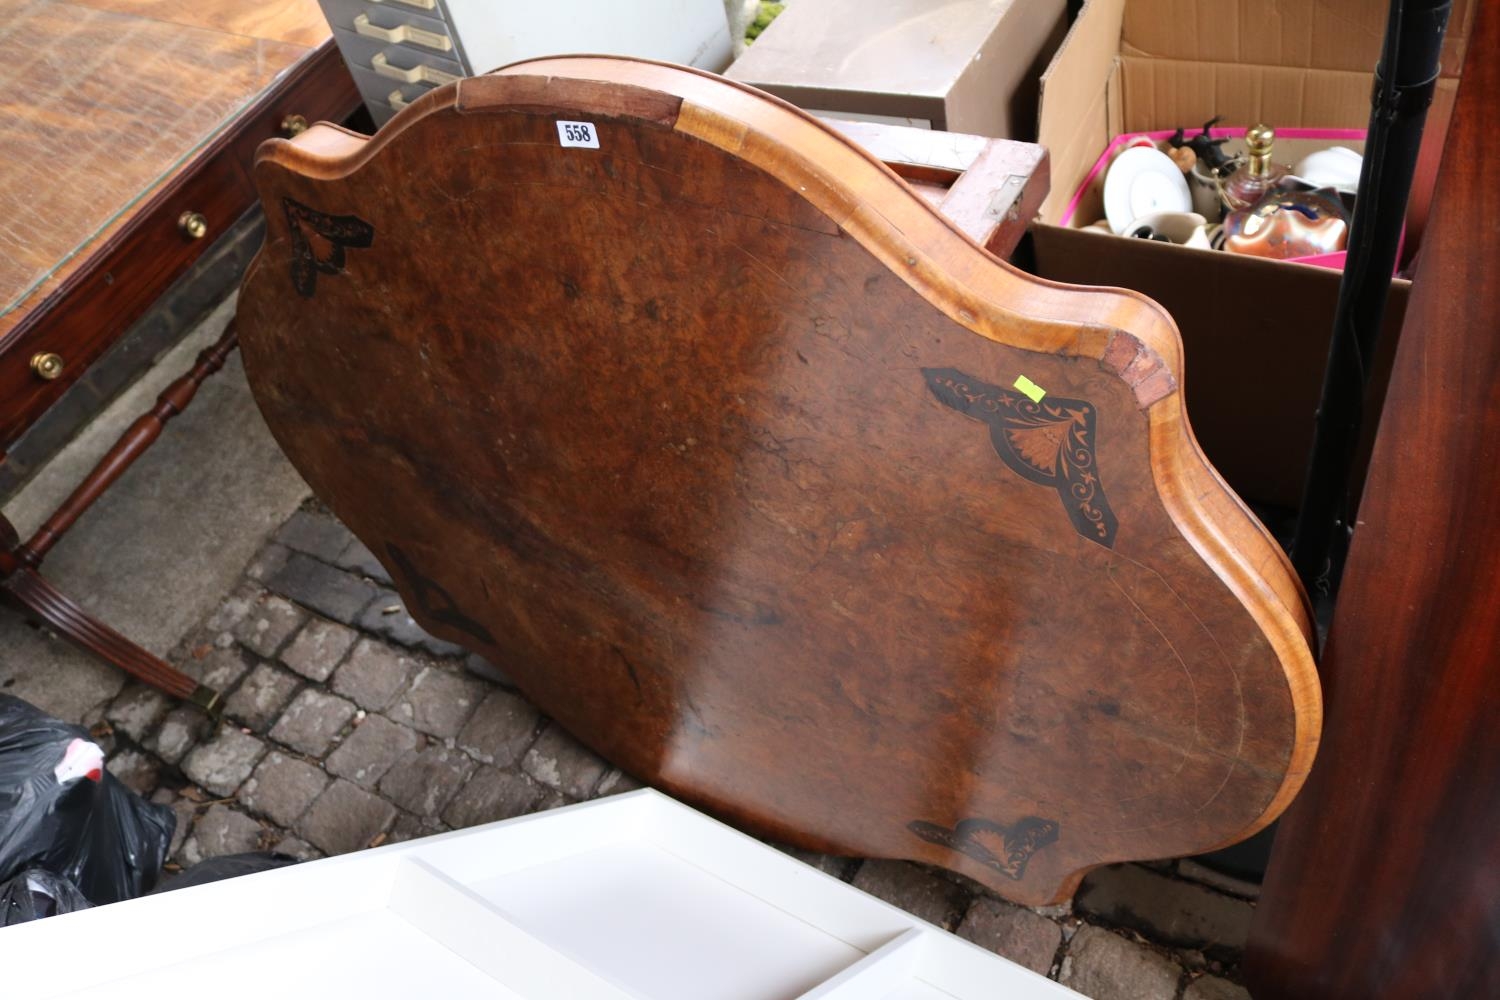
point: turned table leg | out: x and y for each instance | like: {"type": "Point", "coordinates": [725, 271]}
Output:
{"type": "Point", "coordinates": [21, 584]}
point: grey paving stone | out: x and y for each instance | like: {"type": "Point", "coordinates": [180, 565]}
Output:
{"type": "Point", "coordinates": [137, 771]}
{"type": "Point", "coordinates": [312, 721]}
{"type": "Point", "coordinates": [220, 667]}
{"type": "Point", "coordinates": [439, 702]}
{"type": "Point", "coordinates": [297, 848]}
{"type": "Point", "coordinates": [551, 799]}
{"type": "Point", "coordinates": [318, 535]}
{"type": "Point", "coordinates": [918, 892]}
{"type": "Point", "coordinates": [617, 782]}
{"type": "Point", "coordinates": [559, 761]}
{"type": "Point", "coordinates": [410, 827]}
{"type": "Point", "coordinates": [233, 609]}
{"type": "Point", "coordinates": [1214, 988]}
{"type": "Point", "coordinates": [356, 558]}
{"type": "Point", "coordinates": [318, 648]}
{"type": "Point", "coordinates": [260, 697]}
{"type": "Point", "coordinates": [422, 782]}
{"type": "Point", "coordinates": [401, 628]}
{"type": "Point", "coordinates": [223, 763]}
{"type": "Point", "coordinates": [1188, 868]}
{"type": "Point", "coordinates": [330, 592]}
{"type": "Point", "coordinates": [1164, 909]}
{"type": "Point", "coordinates": [369, 751]}
{"type": "Point", "coordinates": [1106, 966]}
{"type": "Point", "coordinates": [501, 729]}
{"type": "Point", "coordinates": [268, 562]}
{"type": "Point", "coordinates": [221, 830]}
{"type": "Point", "coordinates": [1012, 932]}
{"type": "Point", "coordinates": [345, 818]}
{"type": "Point", "coordinates": [480, 667]}
{"type": "Point", "coordinates": [269, 625]}
{"type": "Point", "coordinates": [492, 794]}
{"type": "Point", "coordinates": [282, 788]}
{"type": "Point", "coordinates": [374, 674]}
{"type": "Point", "coordinates": [179, 731]}
{"type": "Point", "coordinates": [137, 710]}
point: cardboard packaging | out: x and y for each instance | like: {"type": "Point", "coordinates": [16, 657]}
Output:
{"type": "Point", "coordinates": [959, 66]}
{"type": "Point", "coordinates": [1255, 332]}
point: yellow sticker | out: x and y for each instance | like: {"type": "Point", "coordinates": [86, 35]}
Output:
{"type": "Point", "coordinates": [1030, 389]}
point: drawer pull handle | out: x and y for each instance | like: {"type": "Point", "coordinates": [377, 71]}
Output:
{"type": "Point", "coordinates": [293, 126]}
{"type": "Point", "coordinates": [193, 225]}
{"type": "Point", "coordinates": [417, 74]}
{"type": "Point", "coordinates": [419, 4]}
{"type": "Point", "coordinates": [397, 100]}
{"type": "Point", "coordinates": [402, 33]}
{"type": "Point", "coordinates": [47, 365]}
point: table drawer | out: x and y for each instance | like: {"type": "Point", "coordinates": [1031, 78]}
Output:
{"type": "Point", "coordinates": [36, 365]}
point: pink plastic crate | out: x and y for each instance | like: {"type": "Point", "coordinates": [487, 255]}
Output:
{"type": "Point", "coordinates": [1333, 261]}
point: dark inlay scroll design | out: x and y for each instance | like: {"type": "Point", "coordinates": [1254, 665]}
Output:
{"type": "Point", "coordinates": [339, 232]}
{"type": "Point", "coordinates": [1050, 442]}
{"type": "Point", "coordinates": [433, 600]}
{"type": "Point", "coordinates": [1006, 849]}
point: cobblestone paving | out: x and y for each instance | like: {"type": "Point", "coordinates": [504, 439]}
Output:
{"type": "Point", "coordinates": [346, 727]}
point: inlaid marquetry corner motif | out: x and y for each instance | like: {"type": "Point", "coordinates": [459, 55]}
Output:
{"type": "Point", "coordinates": [1006, 849]}
{"type": "Point", "coordinates": [1050, 442]}
{"type": "Point", "coordinates": [340, 232]}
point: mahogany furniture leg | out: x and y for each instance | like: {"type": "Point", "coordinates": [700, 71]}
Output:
{"type": "Point", "coordinates": [1385, 877]}
{"type": "Point", "coordinates": [23, 585]}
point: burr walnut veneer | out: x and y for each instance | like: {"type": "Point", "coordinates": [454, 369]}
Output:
{"type": "Point", "coordinates": [770, 484]}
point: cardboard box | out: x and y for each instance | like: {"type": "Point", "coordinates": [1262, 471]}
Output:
{"type": "Point", "coordinates": [958, 66]}
{"type": "Point", "coordinates": [1255, 332]}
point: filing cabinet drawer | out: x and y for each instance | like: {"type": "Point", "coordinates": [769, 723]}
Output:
{"type": "Point", "coordinates": [384, 96]}
{"type": "Point", "coordinates": [397, 63]}
{"type": "Point", "coordinates": [393, 24]}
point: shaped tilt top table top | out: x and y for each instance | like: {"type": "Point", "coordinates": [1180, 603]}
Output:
{"type": "Point", "coordinates": [772, 486]}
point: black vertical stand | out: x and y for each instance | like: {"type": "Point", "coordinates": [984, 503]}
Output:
{"type": "Point", "coordinates": [1404, 82]}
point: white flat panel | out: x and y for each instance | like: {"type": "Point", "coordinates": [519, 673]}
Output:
{"type": "Point", "coordinates": [375, 954]}
{"type": "Point", "coordinates": [484, 852]}
{"type": "Point", "coordinates": [463, 922]}
{"type": "Point", "coordinates": [871, 978]}
{"type": "Point", "coordinates": [493, 34]}
{"type": "Point", "coordinates": [665, 929]}
{"type": "Point", "coordinates": [635, 896]}
{"type": "Point", "coordinates": [915, 989]}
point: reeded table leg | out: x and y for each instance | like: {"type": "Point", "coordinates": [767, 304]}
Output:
{"type": "Point", "coordinates": [21, 584]}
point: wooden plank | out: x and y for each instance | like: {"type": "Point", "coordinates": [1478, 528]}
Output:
{"type": "Point", "coordinates": [95, 109]}
{"type": "Point", "coordinates": [1383, 881]}
{"type": "Point", "coordinates": [297, 22]}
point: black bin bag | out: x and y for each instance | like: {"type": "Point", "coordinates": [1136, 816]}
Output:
{"type": "Point", "coordinates": [61, 812]}
{"type": "Point", "coordinates": [35, 894]}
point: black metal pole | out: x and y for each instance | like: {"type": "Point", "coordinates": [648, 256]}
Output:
{"type": "Point", "coordinates": [1404, 82]}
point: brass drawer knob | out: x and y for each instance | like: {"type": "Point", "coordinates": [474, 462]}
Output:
{"type": "Point", "coordinates": [293, 126]}
{"type": "Point", "coordinates": [47, 365]}
{"type": "Point", "coordinates": [193, 225]}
